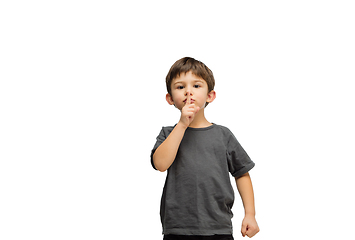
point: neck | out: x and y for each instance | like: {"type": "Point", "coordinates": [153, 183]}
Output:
{"type": "Point", "coordinates": [200, 120]}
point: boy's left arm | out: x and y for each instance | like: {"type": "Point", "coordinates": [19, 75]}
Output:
{"type": "Point", "coordinates": [245, 188]}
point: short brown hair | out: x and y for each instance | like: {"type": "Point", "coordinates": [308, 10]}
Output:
{"type": "Point", "coordinates": [196, 67]}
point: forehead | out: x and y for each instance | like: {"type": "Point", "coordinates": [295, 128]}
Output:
{"type": "Point", "coordinates": [187, 77]}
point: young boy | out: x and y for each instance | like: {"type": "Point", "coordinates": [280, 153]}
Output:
{"type": "Point", "coordinates": [199, 155]}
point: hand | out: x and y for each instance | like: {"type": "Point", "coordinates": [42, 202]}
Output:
{"type": "Point", "coordinates": [188, 112]}
{"type": "Point", "coordinates": [249, 226]}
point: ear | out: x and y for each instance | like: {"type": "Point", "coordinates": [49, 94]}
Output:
{"type": "Point", "coordinates": [211, 96]}
{"type": "Point", "coordinates": [169, 99]}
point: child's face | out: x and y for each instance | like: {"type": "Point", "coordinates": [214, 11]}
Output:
{"type": "Point", "coordinates": [189, 84]}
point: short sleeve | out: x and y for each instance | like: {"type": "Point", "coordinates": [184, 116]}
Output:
{"type": "Point", "coordinates": [164, 133]}
{"type": "Point", "coordinates": [239, 162]}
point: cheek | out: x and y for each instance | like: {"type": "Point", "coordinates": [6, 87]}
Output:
{"type": "Point", "coordinates": [177, 97]}
{"type": "Point", "coordinates": [201, 96]}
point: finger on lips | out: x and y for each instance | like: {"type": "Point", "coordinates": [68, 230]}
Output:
{"type": "Point", "coordinates": [188, 100]}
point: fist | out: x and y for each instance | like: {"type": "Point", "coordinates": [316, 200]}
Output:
{"type": "Point", "coordinates": [249, 227]}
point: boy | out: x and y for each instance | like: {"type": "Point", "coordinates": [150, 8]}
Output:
{"type": "Point", "coordinates": [199, 155]}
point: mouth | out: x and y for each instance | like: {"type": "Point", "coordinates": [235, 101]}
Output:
{"type": "Point", "coordinates": [191, 100]}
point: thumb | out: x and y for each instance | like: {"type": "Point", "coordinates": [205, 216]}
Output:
{"type": "Point", "coordinates": [197, 109]}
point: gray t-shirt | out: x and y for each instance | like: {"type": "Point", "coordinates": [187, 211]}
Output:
{"type": "Point", "coordinates": [198, 195]}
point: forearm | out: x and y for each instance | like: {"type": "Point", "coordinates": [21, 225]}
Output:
{"type": "Point", "coordinates": [165, 154]}
{"type": "Point", "coordinates": [246, 192]}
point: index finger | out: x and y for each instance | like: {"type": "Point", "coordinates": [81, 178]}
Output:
{"type": "Point", "coordinates": [188, 100]}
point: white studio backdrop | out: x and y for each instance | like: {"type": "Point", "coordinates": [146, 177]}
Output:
{"type": "Point", "coordinates": [82, 99]}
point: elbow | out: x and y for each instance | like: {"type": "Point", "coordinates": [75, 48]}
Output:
{"type": "Point", "coordinates": [161, 169]}
{"type": "Point", "coordinates": [158, 166]}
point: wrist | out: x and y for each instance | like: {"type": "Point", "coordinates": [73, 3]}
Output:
{"type": "Point", "coordinates": [181, 125]}
{"type": "Point", "coordinates": [249, 213]}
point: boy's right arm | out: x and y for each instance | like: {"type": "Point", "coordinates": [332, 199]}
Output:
{"type": "Point", "coordinates": [165, 154]}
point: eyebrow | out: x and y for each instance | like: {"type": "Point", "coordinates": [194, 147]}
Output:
{"type": "Point", "coordinates": [198, 80]}
{"type": "Point", "coordinates": [178, 82]}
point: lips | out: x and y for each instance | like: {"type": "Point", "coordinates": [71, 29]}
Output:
{"type": "Point", "coordinates": [191, 100]}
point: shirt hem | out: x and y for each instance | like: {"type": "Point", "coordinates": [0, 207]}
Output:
{"type": "Point", "coordinates": [206, 232]}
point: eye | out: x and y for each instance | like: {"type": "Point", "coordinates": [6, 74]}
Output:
{"type": "Point", "coordinates": [196, 86]}
{"type": "Point", "coordinates": [180, 87]}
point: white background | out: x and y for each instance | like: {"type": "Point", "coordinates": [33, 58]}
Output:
{"type": "Point", "coordinates": [82, 99]}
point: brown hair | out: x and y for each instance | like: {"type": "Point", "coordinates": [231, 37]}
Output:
{"type": "Point", "coordinates": [196, 67]}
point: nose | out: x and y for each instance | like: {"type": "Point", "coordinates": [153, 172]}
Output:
{"type": "Point", "coordinates": [188, 92]}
